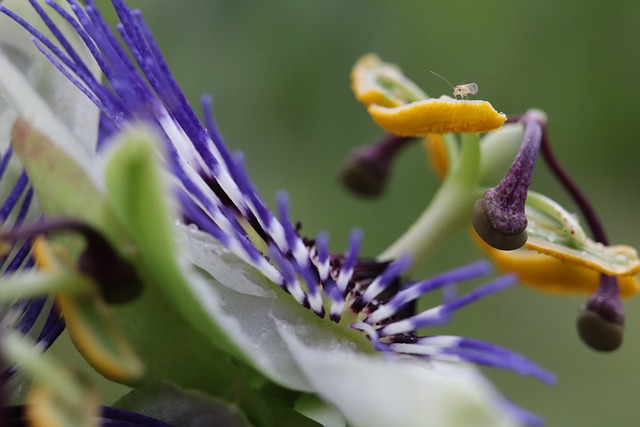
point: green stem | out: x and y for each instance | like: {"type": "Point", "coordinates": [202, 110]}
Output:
{"type": "Point", "coordinates": [448, 212]}
{"type": "Point", "coordinates": [40, 283]}
{"type": "Point", "coordinates": [23, 352]}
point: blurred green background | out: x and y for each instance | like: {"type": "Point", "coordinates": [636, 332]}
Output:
{"type": "Point", "coordinates": [279, 74]}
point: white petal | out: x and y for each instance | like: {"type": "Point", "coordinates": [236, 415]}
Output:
{"type": "Point", "coordinates": [249, 320]}
{"type": "Point", "coordinates": [31, 87]}
{"type": "Point", "coordinates": [374, 391]}
{"type": "Point", "coordinates": [246, 322]}
{"type": "Point", "coordinates": [205, 252]}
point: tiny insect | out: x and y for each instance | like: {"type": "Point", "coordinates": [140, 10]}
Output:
{"type": "Point", "coordinates": [461, 90]}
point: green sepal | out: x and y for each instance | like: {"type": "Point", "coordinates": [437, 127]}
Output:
{"type": "Point", "coordinates": [156, 329]}
{"type": "Point", "coordinates": [63, 187]}
{"type": "Point", "coordinates": [134, 183]}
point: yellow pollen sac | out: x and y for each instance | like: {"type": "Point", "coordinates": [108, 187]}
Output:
{"type": "Point", "coordinates": [42, 254]}
{"type": "Point", "coordinates": [618, 260]}
{"type": "Point", "coordinates": [47, 408]}
{"type": "Point", "coordinates": [440, 116]}
{"type": "Point", "coordinates": [90, 324]}
{"type": "Point", "coordinates": [370, 94]}
{"type": "Point", "coordinates": [376, 82]}
{"type": "Point", "coordinates": [555, 275]}
{"type": "Point", "coordinates": [96, 335]}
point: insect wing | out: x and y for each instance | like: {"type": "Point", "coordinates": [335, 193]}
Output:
{"type": "Point", "coordinates": [471, 88]}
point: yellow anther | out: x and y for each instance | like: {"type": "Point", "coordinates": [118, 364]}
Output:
{"type": "Point", "coordinates": [553, 274]}
{"type": "Point", "coordinates": [618, 260]}
{"type": "Point", "coordinates": [369, 81]}
{"type": "Point", "coordinates": [47, 408]}
{"type": "Point", "coordinates": [5, 248]}
{"type": "Point", "coordinates": [43, 254]}
{"type": "Point", "coordinates": [97, 336]}
{"type": "Point", "coordinates": [440, 116]}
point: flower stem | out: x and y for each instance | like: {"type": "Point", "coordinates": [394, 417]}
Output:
{"type": "Point", "coordinates": [448, 212]}
{"type": "Point", "coordinates": [599, 233]}
{"type": "Point", "coordinates": [30, 285]}
{"type": "Point", "coordinates": [19, 349]}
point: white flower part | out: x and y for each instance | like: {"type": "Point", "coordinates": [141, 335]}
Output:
{"type": "Point", "coordinates": [408, 325]}
{"type": "Point", "coordinates": [247, 312]}
{"type": "Point", "coordinates": [245, 320]}
{"type": "Point", "coordinates": [377, 391]}
{"type": "Point", "coordinates": [31, 87]}
{"type": "Point", "coordinates": [431, 346]}
{"type": "Point", "coordinates": [206, 253]}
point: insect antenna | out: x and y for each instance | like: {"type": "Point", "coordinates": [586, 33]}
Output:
{"type": "Point", "coordinates": [443, 78]}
